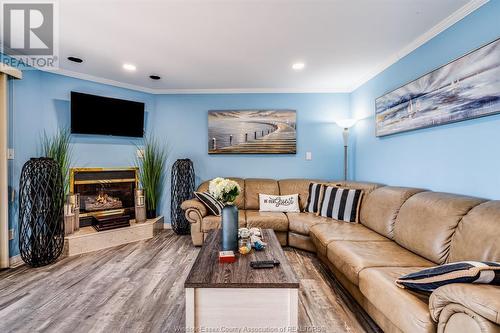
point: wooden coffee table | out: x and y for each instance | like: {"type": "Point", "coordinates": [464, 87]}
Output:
{"type": "Point", "coordinates": [232, 296]}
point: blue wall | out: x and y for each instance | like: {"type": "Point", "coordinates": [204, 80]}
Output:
{"type": "Point", "coordinates": [183, 120]}
{"type": "Point", "coordinates": [41, 102]}
{"type": "Point", "coordinates": [459, 158]}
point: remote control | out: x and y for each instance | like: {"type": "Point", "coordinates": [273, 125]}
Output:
{"type": "Point", "coordinates": [264, 264]}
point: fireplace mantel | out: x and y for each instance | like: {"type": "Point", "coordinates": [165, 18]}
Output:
{"type": "Point", "coordinates": [87, 239]}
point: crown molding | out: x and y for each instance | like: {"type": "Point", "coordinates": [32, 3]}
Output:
{"type": "Point", "coordinates": [251, 91]}
{"type": "Point", "coordinates": [153, 91]}
{"type": "Point", "coordinates": [416, 43]}
{"type": "Point", "coordinates": [98, 79]}
{"type": "Point", "coordinates": [422, 39]}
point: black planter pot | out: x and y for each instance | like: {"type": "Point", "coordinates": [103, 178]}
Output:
{"type": "Point", "coordinates": [151, 214]}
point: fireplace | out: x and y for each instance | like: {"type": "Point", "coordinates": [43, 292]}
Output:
{"type": "Point", "coordinates": [106, 196]}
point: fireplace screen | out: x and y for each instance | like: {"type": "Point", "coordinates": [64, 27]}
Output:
{"type": "Point", "coordinates": [104, 192]}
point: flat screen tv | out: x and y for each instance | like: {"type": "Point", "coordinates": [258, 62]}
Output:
{"type": "Point", "coordinates": [92, 114]}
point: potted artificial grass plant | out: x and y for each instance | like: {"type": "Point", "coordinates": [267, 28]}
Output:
{"type": "Point", "coordinates": [58, 148]}
{"type": "Point", "coordinates": [151, 172]}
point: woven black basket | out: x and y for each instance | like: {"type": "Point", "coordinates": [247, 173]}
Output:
{"type": "Point", "coordinates": [182, 189]}
{"type": "Point", "coordinates": [41, 220]}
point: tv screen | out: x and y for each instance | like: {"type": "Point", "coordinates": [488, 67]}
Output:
{"type": "Point", "coordinates": [92, 114]}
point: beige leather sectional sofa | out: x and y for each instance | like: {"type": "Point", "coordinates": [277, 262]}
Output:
{"type": "Point", "coordinates": [401, 230]}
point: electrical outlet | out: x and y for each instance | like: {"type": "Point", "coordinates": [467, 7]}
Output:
{"type": "Point", "coordinates": [12, 233]}
{"type": "Point", "coordinates": [309, 156]}
{"type": "Point", "coordinates": [10, 153]}
{"type": "Point", "coordinates": [140, 153]}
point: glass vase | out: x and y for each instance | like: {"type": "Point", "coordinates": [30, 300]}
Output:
{"type": "Point", "coordinates": [229, 228]}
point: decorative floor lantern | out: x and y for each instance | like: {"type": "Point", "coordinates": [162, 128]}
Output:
{"type": "Point", "coordinates": [182, 189]}
{"type": "Point", "coordinates": [41, 218]}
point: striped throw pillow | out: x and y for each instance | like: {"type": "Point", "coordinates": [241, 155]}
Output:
{"type": "Point", "coordinates": [313, 198]}
{"type": "Point", "coordinates": [429, 279]}
{"type": "Point", "coordinates": [212, 204]}
{"type": "Point", "coordinates": [340, 203]}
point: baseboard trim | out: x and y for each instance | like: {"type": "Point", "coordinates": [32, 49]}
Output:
{"type": "Point", "coordinates": [15, 261]}
{"type": "Point", "coordinates": [167, 225]}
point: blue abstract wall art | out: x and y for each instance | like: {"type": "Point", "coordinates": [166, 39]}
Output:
{"type": "Point", "coordinates": [466, 88]}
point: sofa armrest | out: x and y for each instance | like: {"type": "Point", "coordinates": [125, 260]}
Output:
{"type": "Point", "coordinates": [195, 210]}
{"type": "Point", "coordinates": [478, 301]}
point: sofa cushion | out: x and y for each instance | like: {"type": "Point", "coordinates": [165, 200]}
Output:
{"type": "Point", "coordinates": [211, 203]}
{"type": "Point", "coordinates": [211, 222]}
{"type": "Point", "coordinates": [340, 203]}
{"type": "Point", "coordinates": [314, 197]}
{"type": "Point", "coordinates": [267, 220]}
{"type": "Point", "coordinates": [240, 199]}
{"type": "Point", "coordinates": [301, 223]}
{"type": "Point", "coordinates": [427, 221]}
{"type": "Point", "coordinates": [301, 242]}
{"type": "Point", "coordinates": [381, 207]}
{"type": "Point", "coordinates": [255, 186]}
{"type": "Point", "coordinates": [323, 234]}
{"type": "Point", "coordinates": [429, 279]}
{"type": "Point", "coordinates": [352, 257]}
{"type": "Point", "coordinates": [408, 311]}
{"type": "Point", "coordinates": [279, 203]}
{"type": "Point", "coordinates": [477, 236]}
{"type": "Point", "coordinates": [300, 186]}
{"type": "Point", "coordinates": [366, 187]}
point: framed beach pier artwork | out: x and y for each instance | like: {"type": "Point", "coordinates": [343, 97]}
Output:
{"type": "Point", "coordinates": [466, 88]}
{"type": "Point", "coordinates": [252, 132]}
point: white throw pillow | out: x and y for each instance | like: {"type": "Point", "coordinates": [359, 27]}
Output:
{"type": "Point", "coordinates": [279, 203]}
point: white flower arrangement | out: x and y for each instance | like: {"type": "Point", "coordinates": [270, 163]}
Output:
{"type": "Point", "coordinates": [224, 190]}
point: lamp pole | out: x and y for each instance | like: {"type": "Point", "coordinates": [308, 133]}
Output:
{"type": "Point", "coordinates": [346, 124]}
{"type": "Point", "coordinates": [345, 136]}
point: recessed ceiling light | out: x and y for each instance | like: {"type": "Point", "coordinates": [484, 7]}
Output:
{"type": "Point", "coordinates": [75, 59]}
{"type": "Point", "coordinates": [154, 77]}
{"type": "Point", "coordinates": [129, 67]}
{"type": "Point", "coordinates": [298, 66]}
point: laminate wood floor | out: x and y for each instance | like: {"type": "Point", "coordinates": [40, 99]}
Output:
{"type": "Point", "coordinates": [139, 288]}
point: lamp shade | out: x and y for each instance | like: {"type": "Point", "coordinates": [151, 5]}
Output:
{"type": "Point", "coordinates": [346, 123]}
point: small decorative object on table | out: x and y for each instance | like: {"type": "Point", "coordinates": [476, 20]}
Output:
{"type": "Point", "coordinates": [244, 245]}
{"type": "Point", "coordinates": [254, 236]}
{"type": "Point", "coordinates": [226, 257]}
{"type": "Point", "coordinates": [226, 191]}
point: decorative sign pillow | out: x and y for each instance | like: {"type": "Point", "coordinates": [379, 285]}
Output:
{"type": "Point", "coordinates": [279, 203]}
{"type": "Point", "coordinates": [212, 204]}
{"type": "Point", "coordinates": [314, 197]}
{"type": "Point", "coordinates": [430, 279]}
{"type": "Point", "coordinates": [340, 203]}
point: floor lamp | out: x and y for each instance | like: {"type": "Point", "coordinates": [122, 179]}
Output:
{"type": "Point", "coordinates": [346, 124]}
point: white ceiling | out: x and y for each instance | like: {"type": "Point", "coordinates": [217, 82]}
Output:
{"type": "Point", "coordinates": [246, 45]}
